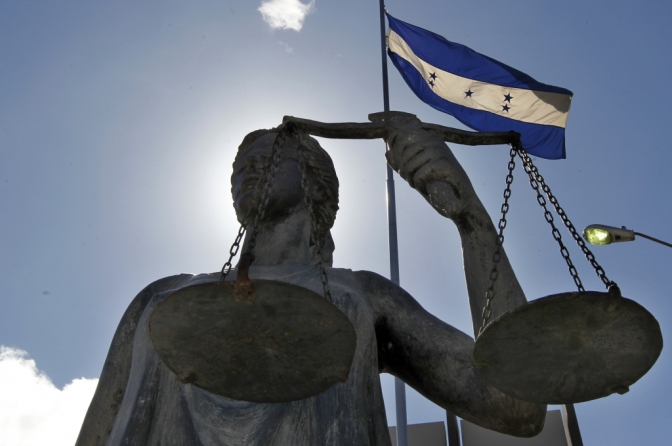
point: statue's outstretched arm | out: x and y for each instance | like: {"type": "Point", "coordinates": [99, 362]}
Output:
{"type": "Point", "coordinates": [105, 404]}
{"type": "Point", "coordinates": [435, 359]}
{"type": "Point", "coordinates": [429, 166]}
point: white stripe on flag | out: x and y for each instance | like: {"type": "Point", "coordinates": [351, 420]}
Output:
{"type": "Point", "coordinates": [535, 107]}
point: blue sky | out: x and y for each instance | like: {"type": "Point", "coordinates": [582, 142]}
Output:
{"type": "Point", "coordinates": [119, 123]}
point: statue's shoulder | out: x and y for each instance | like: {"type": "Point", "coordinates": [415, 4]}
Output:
{"type": "Point", "coordinates": [129, 321]}
{"type": "Point", "coordinates": [374, 282]}
{"type": "Point", "coordinates": [164, 284]}
{"type": "Point", "coordinates": [384, 294]}
{"type": "Point", "coordinates": [344, 276]}
{"type": "Point", "coordinates": [123, 337]}
{"type": "Point", "coordinates": [134, 311]}
{"type": "Point", "coordinates": [109, 394]}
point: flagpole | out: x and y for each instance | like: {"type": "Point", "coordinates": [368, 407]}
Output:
{"type": "Point", "coordinates": [399, 386]}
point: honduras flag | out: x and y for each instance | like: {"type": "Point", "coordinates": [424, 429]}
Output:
{"type": "Point", "coordinates": [480, 92]}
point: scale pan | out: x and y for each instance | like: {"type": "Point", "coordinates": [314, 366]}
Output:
{"type": "Point", "coordinates": [569, 348]}
{"type": "Point", "coordinates": [262, 341]}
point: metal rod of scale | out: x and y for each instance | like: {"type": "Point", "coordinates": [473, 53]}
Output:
{"type": "Point", "coordinates": [399, 386]}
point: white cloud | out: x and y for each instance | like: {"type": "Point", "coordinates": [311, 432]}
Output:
{"type": "Point", "coordinates": [287, 48]}
{"type": "Point", "coordinates": [32, 410]}
{"type": "Point", "coordinates": [285, 14]}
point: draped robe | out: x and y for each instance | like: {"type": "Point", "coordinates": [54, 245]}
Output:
{"type": "Point", "coordinates": [139, 401]}
{"type": "Point", "coordinates": [157, 409]}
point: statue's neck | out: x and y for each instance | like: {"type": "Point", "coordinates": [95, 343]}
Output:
{"type": "Point", "coordinates": [284, 241]}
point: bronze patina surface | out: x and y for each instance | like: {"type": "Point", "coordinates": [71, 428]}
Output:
{"type": "Point", "coordinates": [569, 348]}
{"type": "Point", "coordinates": [258, 341]}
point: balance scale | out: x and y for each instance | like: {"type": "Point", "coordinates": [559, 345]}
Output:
{"type": "Point", "coordinates": [268, 341]}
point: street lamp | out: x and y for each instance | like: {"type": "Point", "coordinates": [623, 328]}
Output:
{"type": "Point", "coordinates": [605, 235]}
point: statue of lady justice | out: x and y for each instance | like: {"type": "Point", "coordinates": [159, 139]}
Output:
{"type": "Point", "coordinates": [139, 401]}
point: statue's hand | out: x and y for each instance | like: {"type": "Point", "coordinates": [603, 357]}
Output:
{"type": "Point", "coordinates": [429, 166]}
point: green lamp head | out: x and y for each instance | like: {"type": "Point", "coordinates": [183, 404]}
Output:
{"type": "Point", "coordinates": [604, 235]}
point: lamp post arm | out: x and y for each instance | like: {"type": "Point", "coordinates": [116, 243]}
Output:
{"type": "Point", "coordinates": [653, 239]}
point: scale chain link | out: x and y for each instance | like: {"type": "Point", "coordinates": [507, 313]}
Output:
{"type": "Point", "coordinates": [264, 184]}
{"type": "Point", "coordinates": [232, 252]}
{"type": "Point", "coordinates": [532, 171]}
{"type": "Point", "coordinates": [534, 182]}
{"type": "Point", "coordinates": [496, 257]}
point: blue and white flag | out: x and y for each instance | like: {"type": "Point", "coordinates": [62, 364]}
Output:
{"type": "Point", "coordinates": [480, 92]}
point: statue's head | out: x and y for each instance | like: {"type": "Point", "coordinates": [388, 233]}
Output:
{"type": "Point", "coordinates": [286, 193]}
